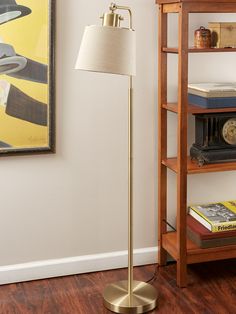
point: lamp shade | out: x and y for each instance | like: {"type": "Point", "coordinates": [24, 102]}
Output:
{"type": "Point", "coordinates": [108, 49]}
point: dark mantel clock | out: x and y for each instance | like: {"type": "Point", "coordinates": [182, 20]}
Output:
{"type": "Point", "coordinates": [215, 138]}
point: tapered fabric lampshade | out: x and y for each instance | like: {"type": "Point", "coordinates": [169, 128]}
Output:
{"type": "Point", "coordinates": [108, 49]}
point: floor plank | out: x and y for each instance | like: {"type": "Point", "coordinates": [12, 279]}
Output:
{"type": "Point", "coordinates": [211, 290]}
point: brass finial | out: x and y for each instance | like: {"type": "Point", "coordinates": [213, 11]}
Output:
{"type": "Point", "coordinates": [113, 7]}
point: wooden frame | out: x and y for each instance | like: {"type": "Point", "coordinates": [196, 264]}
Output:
{"type": "Point", "coordinates": [176, 243]}
{"type": "Point", "coordinates": [27, 113]}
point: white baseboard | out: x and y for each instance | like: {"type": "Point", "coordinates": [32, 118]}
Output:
{"type": "Point", "coordinates": [74, 265]}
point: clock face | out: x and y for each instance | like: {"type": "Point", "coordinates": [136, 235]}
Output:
{"type": "Point", "coordinates": [229, 131]}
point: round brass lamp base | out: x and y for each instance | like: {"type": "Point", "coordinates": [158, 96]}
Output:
{"type": "Point", "coordinates": [117, 299]}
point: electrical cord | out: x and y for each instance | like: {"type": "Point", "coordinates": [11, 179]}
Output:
{"type": "Point", "coordinates": [168, 224]}
{"type": "Point", "coordinates": [154, 277]}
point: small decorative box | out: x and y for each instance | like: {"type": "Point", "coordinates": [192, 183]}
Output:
{"type": "Point", "coordinates": [223, 35]}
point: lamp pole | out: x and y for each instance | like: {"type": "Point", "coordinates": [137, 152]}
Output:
{"type": "Point", "coordinates": [130, 187]}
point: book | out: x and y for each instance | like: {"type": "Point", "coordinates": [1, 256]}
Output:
{"type": "Point", "coordinates": [216, 217]}
{"type": "Point", "coordinates": [212, 102]}
{"type": "Point", "coordinates": [204, 238]}
{"type": "Point", "coordinates": [213, 90]}
{"type": "Point", "coordinates": [212, 95]}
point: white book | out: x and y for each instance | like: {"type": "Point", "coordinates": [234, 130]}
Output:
{"type": "Point", "coordinates": [211, 90]}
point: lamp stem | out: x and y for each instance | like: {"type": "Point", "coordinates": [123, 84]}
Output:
{"type": "Point", "coordinates": [130, 296]}
{"type": "Point", "coordinates": [130, 188]}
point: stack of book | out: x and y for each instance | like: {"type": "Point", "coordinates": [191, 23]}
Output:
{"type": "Point", "coordinates": [213, 224]}
{"type": "Point", "coordinates": [212, 95]}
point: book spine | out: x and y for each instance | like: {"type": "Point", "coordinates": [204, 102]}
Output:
{"type": "Point", "coordinates": [195, 214]}
{"type": "Point", "coordinates": [211, 94]}
{"type": "Point", "coordinates": [194, 237]}
{"type": "Point", "coordinates": [208, 243]}
{"type": "Point", "coordinates": [217, 242]}
{"type": "Point", "coordinates": [223, 226]}
{"type": "Point", "coordinates": [212, 102]}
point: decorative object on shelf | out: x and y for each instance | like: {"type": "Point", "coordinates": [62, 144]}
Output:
{"type": "Point", "coordinates": [216, 217]}
{"type": "Point", "coordinates": [215, 138]}
{"type": "Point", "coordinates": [202, 38]}
{"type": "Point", "coordinates": [223, 34]}
{"type": "Point", "coordinates": [212, 95]}
{"type": "Point", "coordinates": [110, 48]}
{"type": "Point", "coordinates": [204, 238]}
{"type": "Point", "coordinates": [229, 131]}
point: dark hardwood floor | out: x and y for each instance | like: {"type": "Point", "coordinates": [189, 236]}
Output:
{"type": "Point", "coordinates": [211, 290]}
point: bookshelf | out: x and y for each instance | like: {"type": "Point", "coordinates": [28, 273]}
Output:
{"type": "Point", "coordinates": [176, 243]}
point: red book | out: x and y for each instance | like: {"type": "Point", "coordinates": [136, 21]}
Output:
{"type": "Point", "coordinates": [204, 238]}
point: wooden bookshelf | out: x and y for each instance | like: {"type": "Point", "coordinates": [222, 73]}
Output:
{"type": "Point", "coordinates": [176, 244]}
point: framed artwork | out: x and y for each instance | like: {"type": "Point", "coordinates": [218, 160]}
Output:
{"type": "Point", "coordinates": [27, 85]}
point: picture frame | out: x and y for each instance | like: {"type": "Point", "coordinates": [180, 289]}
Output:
{"type": "Point", "coordinates": [27, 77]}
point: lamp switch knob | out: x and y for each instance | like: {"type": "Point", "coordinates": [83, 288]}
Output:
{"type": "Point", "coordinates": [113, 6]}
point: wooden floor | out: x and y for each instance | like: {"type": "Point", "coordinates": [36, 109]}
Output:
{"type": "Point", "coordinates": [212, 290]}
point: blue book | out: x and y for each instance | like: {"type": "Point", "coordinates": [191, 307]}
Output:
{"type": "Point", "coordinates": [212, 102]}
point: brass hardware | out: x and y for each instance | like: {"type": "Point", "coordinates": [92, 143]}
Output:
{"type": "Point", "coordinates": [118, 300]}
{"type": "Point", "coordinates": [113, 7]}
{"type": "Point", "coordinates": [113, 19]}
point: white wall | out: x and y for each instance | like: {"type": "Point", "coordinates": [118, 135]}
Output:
{"type": "Point", "coordinates": [74, 203]}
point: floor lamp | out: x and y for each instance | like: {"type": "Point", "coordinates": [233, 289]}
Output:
{"type": "Point", "coordinates": [111, 49]}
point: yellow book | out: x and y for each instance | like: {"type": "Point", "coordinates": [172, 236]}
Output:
{"type": "Point", "coordinates": [216, 217]}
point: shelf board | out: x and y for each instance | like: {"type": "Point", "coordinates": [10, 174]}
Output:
{"type": "Point", "coordinates": [170, 49]}
{"type": "Point", "coordinates": [196, 109]}
{"type": "Point", "coordinates": [196, 254]}
{"type": "Point", "coordinates": [198, 50]}
{"type": "Point", "coordinates": [194, 168]}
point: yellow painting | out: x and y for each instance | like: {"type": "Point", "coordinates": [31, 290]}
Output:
{"type": "Point", "coordinates": [26, 105]}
